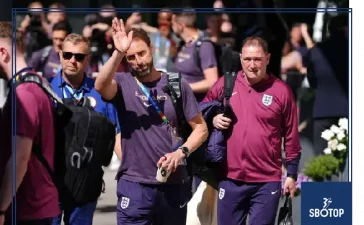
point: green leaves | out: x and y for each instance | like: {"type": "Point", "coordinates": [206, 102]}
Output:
{"type": "Point", "coordinates": [334, 160]}
{"type": "Point", "coordinates": [322, 167]}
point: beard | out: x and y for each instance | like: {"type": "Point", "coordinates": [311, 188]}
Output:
{"type": "Point", "coordinates": [143, 73]}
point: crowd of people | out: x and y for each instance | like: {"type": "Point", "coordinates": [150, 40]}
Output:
{"type": "Point", "coordinates": [150, 83]}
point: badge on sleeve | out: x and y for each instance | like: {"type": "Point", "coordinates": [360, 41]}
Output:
{"type": "Point", "coordinates": [267, 100]}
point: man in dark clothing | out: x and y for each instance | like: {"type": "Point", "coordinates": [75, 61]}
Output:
{"type": "Point", "coordinates": [328, 74]}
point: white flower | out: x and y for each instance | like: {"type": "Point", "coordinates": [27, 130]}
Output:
{"type": "Point", "coordinates": [327, 135]}
{"type": "Point", "coordinates": [327, 151]}
{"type": "Point", "coordinates": [341, 135]}
{"type": "Point", "coordinates": [333, 144]}
{"type": "Point", "coordinates": [344, 124]}
{"type": "Point", "coordinates": [335, 129]}
{"type": "Point", "coordinates": [341, 147]}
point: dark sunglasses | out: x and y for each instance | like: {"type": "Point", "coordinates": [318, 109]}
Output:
{"type": "Point", "coordinates": [78, 56]}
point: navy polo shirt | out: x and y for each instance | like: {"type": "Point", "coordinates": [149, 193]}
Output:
{"type": "Point", "coordinates": [63, 90]}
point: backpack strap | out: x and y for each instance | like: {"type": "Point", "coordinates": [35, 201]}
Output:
{"type": "Point", "coordinates": [227, 62]}
{"type": "Point", "coordinates": [197, 50]}
{"type": "Point", "coordinates": [37, 150]}
{"type": "Point", "coordinates": [229, 83]}
{"type": "Point", "coordinates": [31, 77]}
{"type": "Point", "coordinates": [173, 89]}
{"type": "Point", "coordinates": [174, 81]}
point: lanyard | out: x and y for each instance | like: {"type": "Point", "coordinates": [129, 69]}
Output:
{"type": "Point", "coordinates": [176, 141]}
{"type": "Point", "coordinates": [157, 44]}
{"type": "Point", "coordinates": [151, 100]}
{"type": "Point", "coordinates": [77, 94]}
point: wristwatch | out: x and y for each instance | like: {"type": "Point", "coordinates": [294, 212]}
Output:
{"type": "Point", "coordinates": [2, 212]}
{"type": "Point", "coordinates": [293, 176]}
{"type": "Point", "coordinates": [185, 151]}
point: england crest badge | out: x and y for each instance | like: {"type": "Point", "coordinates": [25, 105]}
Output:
{"type": "Point", "coordinates": [267, 100]}
{"type": "Point", "coordinates": [221, 193]}
{"type": "Point", "coordinates": [124, 203]}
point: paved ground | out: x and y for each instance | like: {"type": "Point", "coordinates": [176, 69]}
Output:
{"type": "Point", "coordinates": [106, 208]}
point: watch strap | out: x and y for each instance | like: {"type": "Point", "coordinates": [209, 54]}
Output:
{"type": "Point", "coordinates": [293, 176]}
{"type": "Point", "coordinates": [185, 151]}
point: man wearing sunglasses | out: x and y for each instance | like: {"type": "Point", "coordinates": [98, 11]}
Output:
{"type": "Point", "coordinates": [72, 82]}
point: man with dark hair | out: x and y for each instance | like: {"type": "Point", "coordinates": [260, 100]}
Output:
{"type": "Point", "coordinates": [153, 186]}
{"type": "Point", "coordinates": [46, 60]}
{"type": "Point", "coordinates": [200, 75]}
{"type": "Point", "coordinates": [254, 159]}
{"type": "Point", "coordinates": [36, 194]}
{"type": "Point", "coordinates": [55, 15]}
{"type": "Point", "coordinates": [218, 29]}
{"type": "Point", "coordinates": [165, 42]}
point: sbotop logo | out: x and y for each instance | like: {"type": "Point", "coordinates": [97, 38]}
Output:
{"type": "Point", "coordinates": [326, 211]}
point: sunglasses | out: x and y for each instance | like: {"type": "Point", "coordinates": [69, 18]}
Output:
{"type": "Point", "coordinates": [78, 56]}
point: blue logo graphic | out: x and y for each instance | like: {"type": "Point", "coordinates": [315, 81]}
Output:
{"type": "Point", "coordinates": [325, 211]}
{"type": "Point", "coordinates": [326, 203]}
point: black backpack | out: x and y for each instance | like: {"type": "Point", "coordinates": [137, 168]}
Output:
{"type": "Point", "coordinates": [84, 143]}
{"type": "Point", "coordinates": [227, 59]}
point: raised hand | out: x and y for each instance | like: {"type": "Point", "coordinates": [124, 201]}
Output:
{"type": "Point", "coordinates": [121, 39]}
{"type": "Point", "coordinates": [304, 29]}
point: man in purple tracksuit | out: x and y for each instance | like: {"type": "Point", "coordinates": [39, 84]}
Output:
{"type": "Point", "coordinates": [200, 75]}
{"type": "Point", "coordinates": [147, 139]}
{"type": "Point", "coordinates": [264, 110]}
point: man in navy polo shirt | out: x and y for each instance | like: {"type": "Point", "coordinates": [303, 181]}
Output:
{"type": "Point", "coordinates": [72, 82]}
